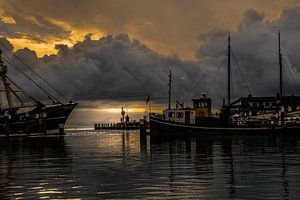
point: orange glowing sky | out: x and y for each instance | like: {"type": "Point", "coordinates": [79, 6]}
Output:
{"type": "Point", "coordinates": [169, 27]}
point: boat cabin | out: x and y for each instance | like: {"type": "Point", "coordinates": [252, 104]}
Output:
{"type": "Point", "coordinates": [202, 106]}
{"type": "Point", "coordinates": [186, 116]}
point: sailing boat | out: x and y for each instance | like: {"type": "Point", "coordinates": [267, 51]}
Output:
{"type": "Point", "coordinates": [279, 114]}
{"type": "Point", "coordinates": [34, 118]}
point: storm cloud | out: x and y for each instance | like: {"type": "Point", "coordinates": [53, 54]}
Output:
{"type": "Point", "coordinates": [33, 27]}
{"type": "Point", "coordinates": [166, 26]}
{"type": "Point", "coordinates": [123, 68]}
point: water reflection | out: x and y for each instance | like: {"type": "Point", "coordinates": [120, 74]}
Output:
{"type": "Point", "coordinates": [255, 167]}
{"type": "Point", "coordinates": [31, 167]}
{"type": "Point", "coordinates": [125, 165]}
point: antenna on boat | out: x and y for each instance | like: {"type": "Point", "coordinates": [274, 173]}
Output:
{"type": "Point", "coordinates": [228, 75]}
{"type": "Point", "coordinates": [170, 88]}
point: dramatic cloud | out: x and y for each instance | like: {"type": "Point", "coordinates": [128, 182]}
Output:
{"type": "Point", "coordinates": [108, 68]}
{"type": "Point", "coordinates": [25, 25]}
{"type": "Point", "coordinates": [166, 26]}
{"type": "Point", "coordinates": [120, 68]}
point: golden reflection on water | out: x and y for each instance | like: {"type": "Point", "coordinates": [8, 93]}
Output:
{"type": "Point", "coordinates": [124, 165]}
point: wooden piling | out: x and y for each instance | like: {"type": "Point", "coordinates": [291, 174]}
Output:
{"type": "Point", "coordinates": [143, 127]}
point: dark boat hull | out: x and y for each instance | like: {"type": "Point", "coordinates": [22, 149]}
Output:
{"type": "Point", "coordinates": [160, 126]}
{"type": "Point", "coordinates": [53, 117]}
{"type": "Point", "coordinates": [58, 115]}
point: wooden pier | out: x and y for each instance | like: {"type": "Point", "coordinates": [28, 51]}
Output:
{"type": "Point", "coordinates": [122, 126]}
{"type": "Point", "coordinates": [125, 124]}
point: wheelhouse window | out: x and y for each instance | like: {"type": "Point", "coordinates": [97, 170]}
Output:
{"type": "Point", "coordinates": [179, 115]}
{"type": "Point", "coordinates": [202, 104]}
{"type": "Point", "coordinates": [171, 114]}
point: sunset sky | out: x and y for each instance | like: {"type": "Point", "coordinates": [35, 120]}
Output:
{"type": "Point", "coordinates": [107, 52]}
{"type": "Point", "coordinates": [168, 27]}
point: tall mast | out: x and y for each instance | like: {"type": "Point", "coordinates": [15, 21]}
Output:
{"type": "Point", "coordinates": [3, 71]}
{"type": "Point", "coordinates": [169, 92]}
{"type": "Point", "coordinates": [228, 74]}
{"type": "Point", "coordinates": [280, 67]}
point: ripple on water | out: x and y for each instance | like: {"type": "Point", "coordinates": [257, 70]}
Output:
{"type": "Point", "coordinates": [121, 165]}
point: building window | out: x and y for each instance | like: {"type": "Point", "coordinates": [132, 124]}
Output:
{"type": "Point", "coordinates": [254, 104]}
{"type": "Point", "coordinates": [267, 104]}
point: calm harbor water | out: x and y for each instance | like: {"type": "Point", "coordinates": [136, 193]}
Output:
{"type": "Point", "coordinates": [123, 165]}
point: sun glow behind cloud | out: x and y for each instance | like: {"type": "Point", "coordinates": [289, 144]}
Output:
{"type": "Point", "coordinates": [170, 26]}
{"type": "Point", "coordinates": [87, 117]}
{"type": "Point", "coordinates": [47, 47]}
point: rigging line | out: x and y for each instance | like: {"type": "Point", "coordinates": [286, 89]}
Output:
{"type": "Point", "coordinates": [21, 89]}
{"type": "Point", "coordinates": [268, 51]}
{"type": "Point", "coordinates": [240, 71]}
{"type": "Point", "coordinates": [16, 95]}
{"type": "Point", "coordinates": [212, 58]}
{"type": "Point", "coordinates": [290, 66]}
{"type": "Point", "coordinates": [28, 77]}
{"type": "Point", "coordinates": [211, 62]}
{"type": "Point", "coordinates": [237, 84]}
{"type": "Point", "coordinates": [242, 58]}
{"type": "Point", "coordinates": [284, 47]}
{"type": "Point", "coordinates": [232, 93]}
{"type": "Point", "coordinates": [292, 74]}
{"type": "Point", "coordinates": [291, 71]}
{"type": "Point", "coordinates": [285, 83]}
{"type": "Point", "coordinates": [28, 67]}
{"type": "Point", "coordinates": [15, 66]}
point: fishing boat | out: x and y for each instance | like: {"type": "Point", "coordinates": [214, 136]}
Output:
{"type": "Point", "coordinates": [20, 113]}
{"type": "Point", "coordinates": [278, 114]}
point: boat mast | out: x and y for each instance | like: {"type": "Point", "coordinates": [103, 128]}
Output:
{"type": "Point", "coordinates": [280, 67]}
{"type": "Point", "coordinates": [228, 74]}
{"type": "Point", "coordinates": [280, 81]}
{"type": "Point", "coordinates": [3, 72]}
{"type": "Point", "coordinates": [169, 92]}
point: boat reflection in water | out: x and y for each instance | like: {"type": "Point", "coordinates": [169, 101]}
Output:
{"type": "Point", "coordinates": [125, 165]}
